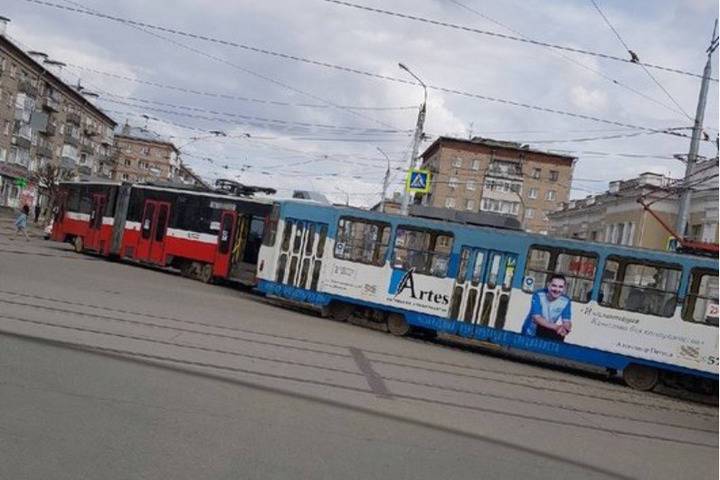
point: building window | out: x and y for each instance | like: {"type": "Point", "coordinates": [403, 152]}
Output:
{"type": "Point", "coordinates": [648, 288]}
{"type": "Point", "coordinates": [145, 151]}
{"type": "Point", "coordinates": [362, 241]}
{"type": "Point", "coordinates": [533, 193]}
{"type": "Point", "coordinates": [457, 162]}
{"type": "Point", "coordinates": [554, 175]}
{"type": "Point", "coordinates": [529, 213]}
{"type": "Point", "coordinates": [551, 195]}
{"type": "Point", "coordinates": [449, 203]}
{"type": "Point", "coordinates": [6, 127]}
{"type": "Point", "coordinates": [476, 165]}
{"type": "Point", "coordinates": [425, 251]}
{"type": "Point", "coordinates": [470, 205]}
{"type": "Point", "coordinates": [453, 182]}
{"type": "Point", "coordinates": [125, 176]}
{"type": "Point", "coordinates": [536, 172]}
{"type": "Point", "coordinates": [470, 185]}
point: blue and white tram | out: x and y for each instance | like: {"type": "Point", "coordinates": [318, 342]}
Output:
{"type": "Point", "coordinates": [644, 313]}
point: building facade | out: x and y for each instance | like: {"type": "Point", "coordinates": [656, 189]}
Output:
{"type": "Point", "coordinates": [143, 156]}
{"type": "Point", "coordinates": [615, 216]}
{"type": "Point", "coordinates": [44, 121]}
{"type": "Point", "coordinates": [500, 177]}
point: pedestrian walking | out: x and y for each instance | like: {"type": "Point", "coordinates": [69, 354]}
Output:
{"type": "Point", "coordinates": [21, 222]}
{"type": "Point", "coordinates": [37, 212]}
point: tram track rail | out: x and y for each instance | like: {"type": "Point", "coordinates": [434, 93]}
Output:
{"type": "Point", "coordinates": [344, 353]}
{"type": "Point", "coordinates": [415, 398]}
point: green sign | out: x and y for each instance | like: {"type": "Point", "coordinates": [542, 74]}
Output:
{"type": "Point", "coordinates": [21, 182]}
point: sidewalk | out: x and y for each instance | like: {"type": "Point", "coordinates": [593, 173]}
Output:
{"type": "Point", "coordinates": [7, 223]}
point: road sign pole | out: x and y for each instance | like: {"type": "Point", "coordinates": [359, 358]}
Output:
{"type": "Point", "coordinates": [413, 156]}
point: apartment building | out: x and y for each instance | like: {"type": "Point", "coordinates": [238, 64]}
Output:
{"type": "Point", "coordinates": [44, 121]}
{"type": "Point", "coordinates": [496, 176]}
{"type": "Point", "coordinates": [615, 216]}
{"type": "Point", "coordinates": [143, 156]}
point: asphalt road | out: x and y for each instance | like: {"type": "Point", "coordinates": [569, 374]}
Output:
{"type": "Point", "coordinates": [112, 371]}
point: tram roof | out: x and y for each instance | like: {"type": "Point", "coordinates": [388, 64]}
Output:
{"type": "Point", "coordinates": [547, 240]}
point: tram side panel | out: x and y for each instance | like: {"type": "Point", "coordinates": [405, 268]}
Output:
{"type": "Point", "coordinates": [85, 216]}
{"type": "Point", "coordinates": [483, 287]}
{"type": "Point", "coordinates": [204, 236]}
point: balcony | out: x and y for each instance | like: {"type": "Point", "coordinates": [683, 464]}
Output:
{"type": "Point", "coordinates": [26, 87]}
{"type": "Point", "coordinates": [105, 159]}
{"type": "Point", "coordinates": [87, 148]}
{"type": "Point", "coordinates": [67, 163]}
{"type": "Point", "coordinates": [51, 103]}
{"type": "Point", "coordinates": [74, 118]}
{"type": "Point", "coordinates": [44, 149]}
{"type": "Point", "coordinates": [49, 129]}
{"type": "Point", "coordinates": [70, 140]}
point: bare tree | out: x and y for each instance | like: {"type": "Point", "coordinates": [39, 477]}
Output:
{"type": "Point", "coordinates": [48, 178]}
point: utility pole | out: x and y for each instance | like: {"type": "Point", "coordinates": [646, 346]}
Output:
{"type": "Point", "coordinates": [417, 138]}
{"type": "Point", "coordinates": [386, 181]}
{"type": "Point", "coordinates": [684, 206]}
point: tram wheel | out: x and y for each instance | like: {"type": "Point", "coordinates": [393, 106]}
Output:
{"type": "Point", "coordinates": [397, 325]}
{"type": "Point", "coordinates": [641, 377]}
{"type": "Point", "coordinates": [341, 311]}
{"type": "Point", "coordinates": [205, 273]}
{"type": "Point", "coordinates": [78, 244]}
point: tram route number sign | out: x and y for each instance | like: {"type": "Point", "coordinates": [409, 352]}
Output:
{"type": "Point", "coordinates": [418, 181]}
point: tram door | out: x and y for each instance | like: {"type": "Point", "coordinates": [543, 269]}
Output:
{"type": "Point", "coordinates": [151, 244]}
{"type": "Point", "coordinates": [226, 241]}
{"type": "Point", "coordinates": [481, 294]}
{"type": "Point", "coordinates": [92, 238]}
{"type": "Point", "coordinates": [301, 254]}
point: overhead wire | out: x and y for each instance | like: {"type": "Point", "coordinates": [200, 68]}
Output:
{"type": "Point", "coordinates": [144, 28]}
{"type": "Point", "coordinates": [143, 25]}
{"type": "Point", "coordinates": [226, 96]}
{"type": "Point", "coordinates": [572, 60]}
{"type": "Point", "coordinates": [633, 60]}
{"type": "Point", "coordinates": [499, 35]}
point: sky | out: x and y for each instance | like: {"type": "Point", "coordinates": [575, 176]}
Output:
{"type": "Point", "coordinates": [303, 94]}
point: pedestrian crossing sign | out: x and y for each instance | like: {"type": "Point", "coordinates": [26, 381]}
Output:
{"type": "Point", "coordinates": [418, 181]}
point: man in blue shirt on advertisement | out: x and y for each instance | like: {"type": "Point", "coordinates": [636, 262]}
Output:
{"type": "Point", "coordinates": [549, 315]}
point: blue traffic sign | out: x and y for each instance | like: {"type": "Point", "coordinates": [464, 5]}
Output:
{"type": "Point", "coordinates": [418, 181]}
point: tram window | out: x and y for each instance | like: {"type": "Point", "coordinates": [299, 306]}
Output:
{"type": "Point", "coordinates": [161, 223]}
{"type": "Point", "coordinates": [462, 269]}
{"type": "Point", "coordinates": [73, 199]}
{"type": "Point", "coordinates": [297, 242]}
{"type": "Point", "coordinates": [304, 272]}
{"type": "Point", "coordinates": [225, 233]}
{"type": "Point", "coordinates": [310, 240]}
{"type": "Point", "coordinates": [701, 303]}
{"type": "Point", "coordinates": [321, 241]}
{"type": "Point", "coordinates": [427, 251]}
{"type": "Point", "coordinates": [280, 276]}
{"type": "Point", "coordinates": [478, 268]}
{"type": "Point", "coordinates": [494, 271]}
{"type": "Point", "coordinates": [147, 220]}
{"type": "Point", "coordinates": [578, 268]}
{"type": "Point", "coordinates": [362, 241]}
{"type": "Point", "coordinates": [271, 228]}
{"type": "Point", "coordinates": [315, 275]}
{"type": "Point", "coordinates": [287, 232]}
{"type": "Point", "coordinates": [640, 287]}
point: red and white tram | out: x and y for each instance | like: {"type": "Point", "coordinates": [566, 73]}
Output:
{"type": "Point", "coordinates": [206, 235]}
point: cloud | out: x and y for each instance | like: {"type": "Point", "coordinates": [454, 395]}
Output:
{"type": "Point", "coordinates": [587, 99]}
{"type": "Point", "coordinates": [296, 112]}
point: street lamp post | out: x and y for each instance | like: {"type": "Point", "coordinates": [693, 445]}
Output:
{"type": "Point", "coordinates": [417, 138]}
